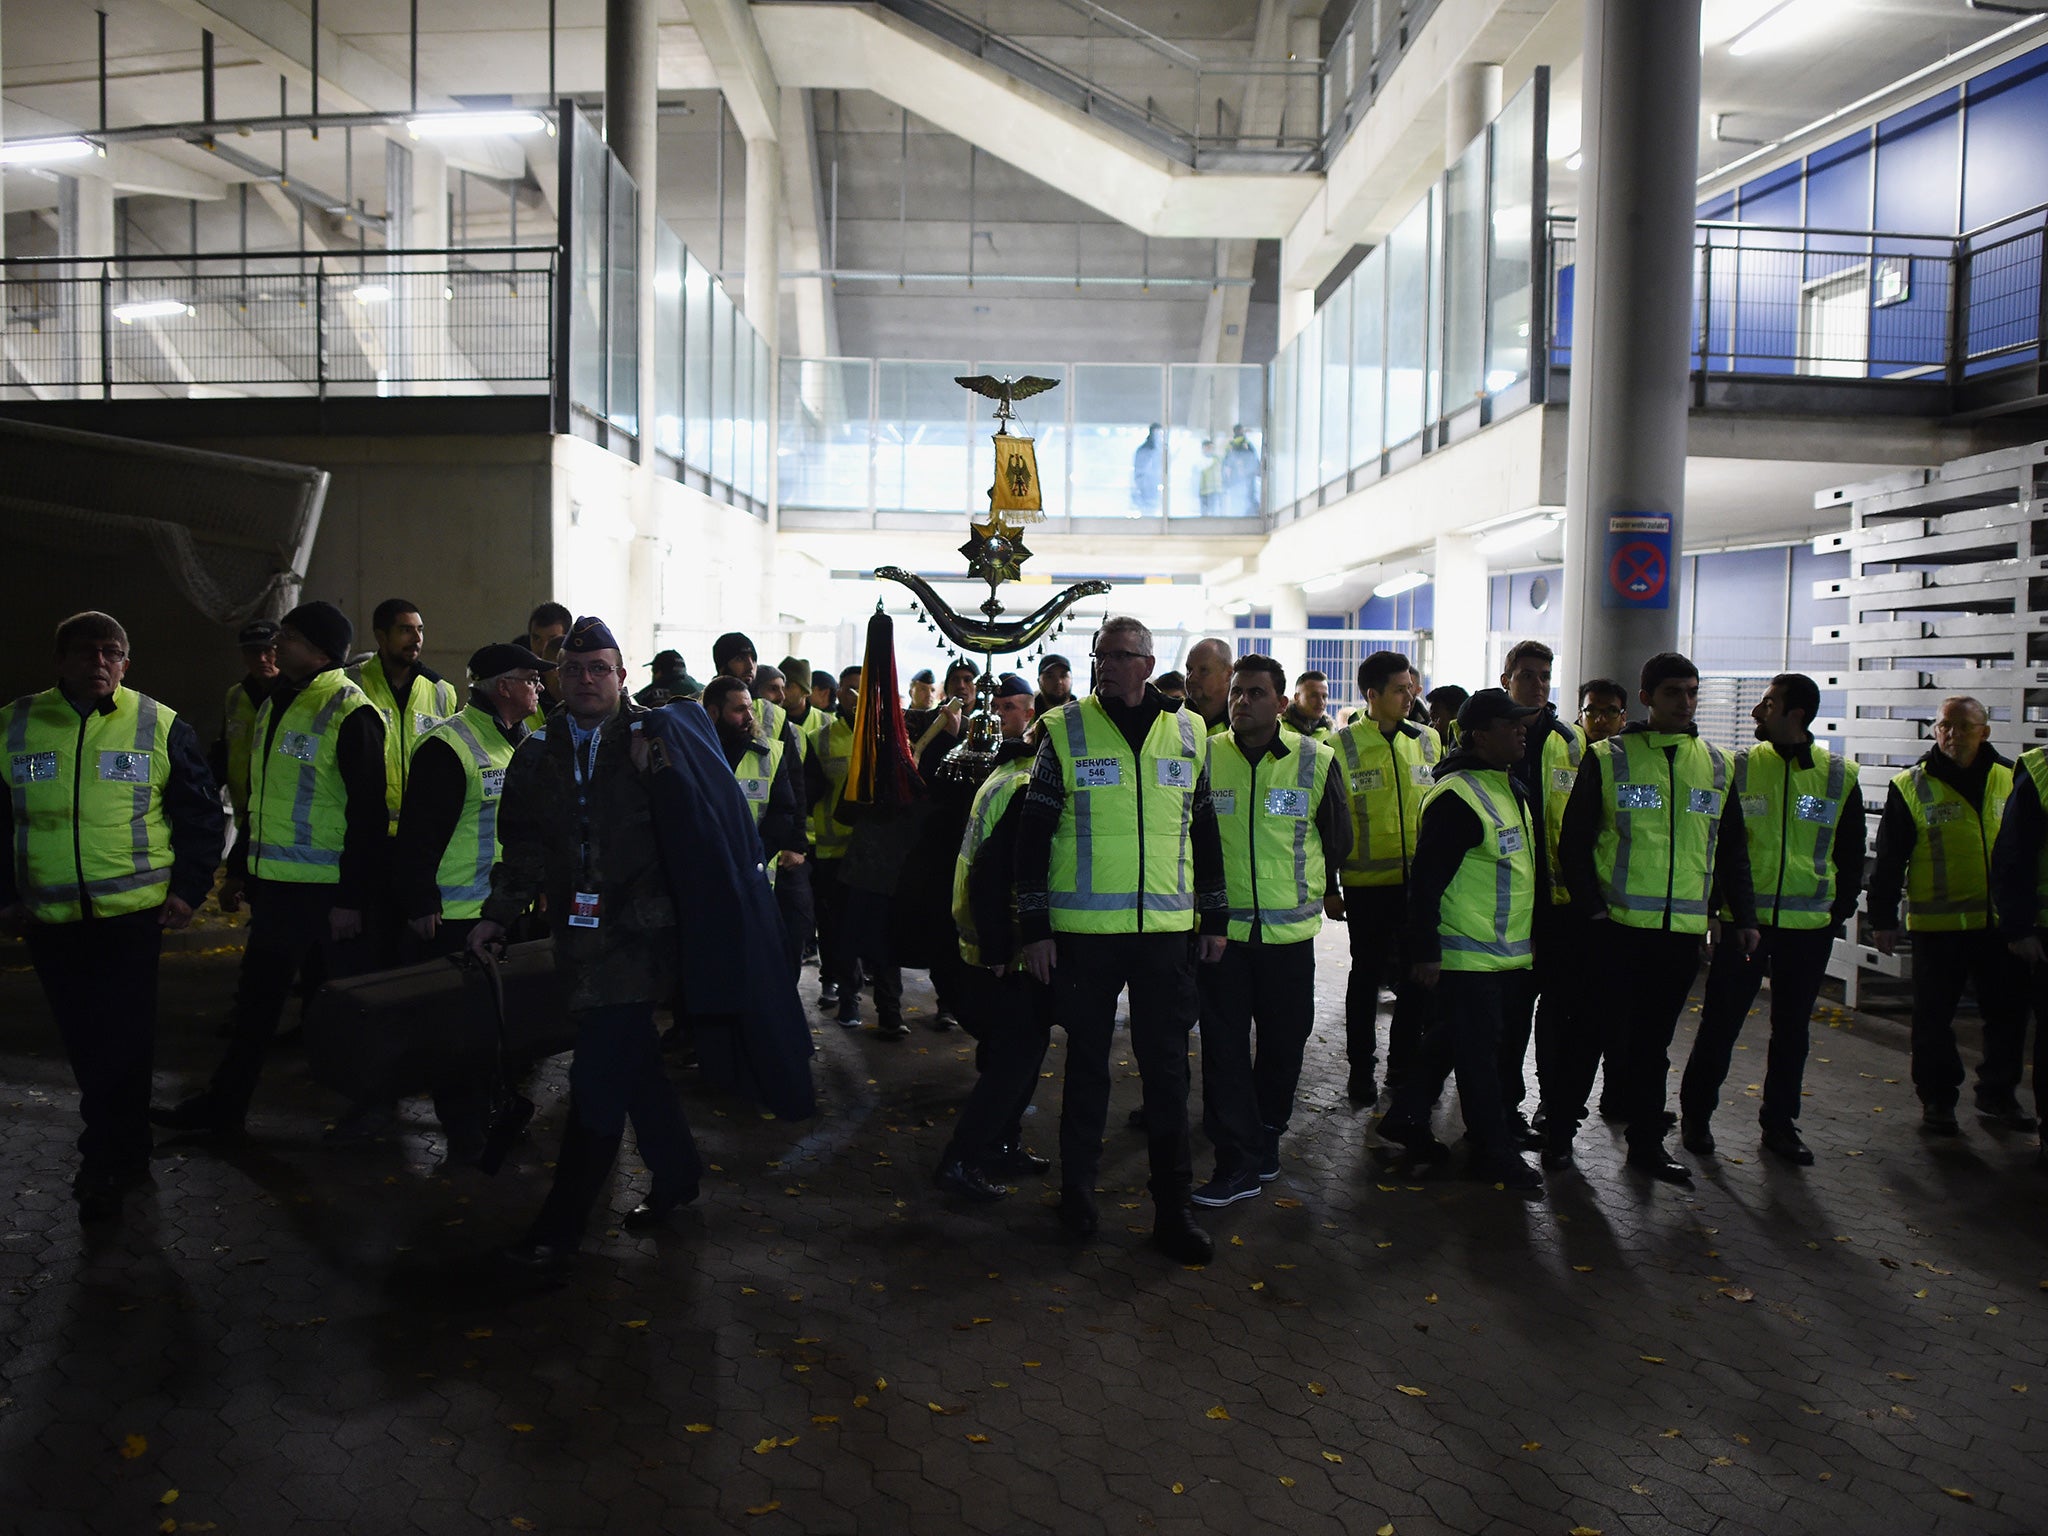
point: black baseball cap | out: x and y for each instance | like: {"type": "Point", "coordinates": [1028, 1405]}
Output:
{"type": "Point", "coordinates": [1489, 706]}
{"type": "Point", "coordinates": [257, 635]}
{"type": "Point", "coordinates": [496, 660]}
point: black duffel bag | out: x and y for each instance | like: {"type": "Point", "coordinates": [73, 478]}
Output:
{"type": "Point", "coordinates": [391, 1033]}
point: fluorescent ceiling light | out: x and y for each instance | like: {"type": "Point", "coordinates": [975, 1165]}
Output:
{"type": "Point", "coordinates": [1407, 581]}
{"type": "Point", "coordinates": [150, 309]}
{"type": "Point", "coordinates": [1326, 583]}
{"type": "Point", "coordinates": [45, 151]}
{"type": "Point", "coordinates": [473, 124]}
{"type": "Point", "coordinates": [373, 293]}
{"type": "Point", "coordinates": [1775, 28]}
{"type": "Point", "coordinates": [1515, 535]}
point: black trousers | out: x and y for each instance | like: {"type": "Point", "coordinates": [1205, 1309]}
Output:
{"type": "Point", "coordinates": [828, 902]}
{"type": "Point", "coordinates": [1943, 963]}
{"type": "Point", "coordinates": [1159, 970]}
{"type": "Point", "coordinates": [867, 927]}
{"type": "Point", "coordinates": [1796, 959]}
{"type": "Point", "coordinates": [1376, 917]}
{"type": "Point", "coordinates": [1247, 1094]}
{"type": "Point", "coordinates": [1654, 972]}
{"type": "Point", "coordinates": [1010, 1018]}
{"type": "Point", "coordinates": [1542, 1007]}
{"type": "Point", "coordinates": [1571, 1024]}
{"type": "Point", "coordinates": [794, 900]}
{"type": "Point", "coordinates": [462, 1097]}
{"type": "Point", "coordinates": [1465, 1026]}
{"type": "Point", "coordinates": [616, 1075]}
{"type": "Point", "coordinates": [287, 930]}
{"type": "Point", "coordinates": [2037, 995]}
{"type": "Point", "coordinates": [99, 976]}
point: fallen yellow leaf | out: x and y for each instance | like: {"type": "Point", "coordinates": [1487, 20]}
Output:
{"type": "Point", "coordinates": [132, 1446]}
{"type": "Point", "coordinates": [1738, 1293]}
{"type": "Point", "coordinates": [170, 1496]}
{"type": "Point", "coordinates": [1671, 1434]}
{"type": "Point", "coordinates": [1177, 1488]}
{"type": "Point", "coordinates": [1532, 1445]}
{"type": "Point", "coordinates": [1957, 1493]}
{"type": "Point", "coordinates": [1584, 1269]}
{"type": "Point", "coordinates": [792, 1440]}
{"type": "Point", "coordinates": [1722, 1461]}
{"type": "Point", "coordinates": [881, 1384]}
{"type": "Point", "coordinates": [1430, 1298]}
{"type": "Point", "coordinates": [696, 1429]}
{"type": "Point", "coordinates": [1651, 1359]}
{"type": "Point", "coordinates": [977, 1439]}
{"type": "Point", "coordinates": [1585, 1530]}
{"type": "Point", "coordinates": [1410, 1391]}
{"type": "Point", "coordinates": [478, 1333]}
{"type": "Point", "coordinates": [860, 1400]}
{"type": "Point", "coordinates": [1258, 1285]}
{"type": "Point", "coordinates": [1332, 1456]}
{"type": "Point", "coordinates": [1317, 1388]}
{"type": "Point", "coordinates": [764, 1509]}
{"type": "Point", "coordinates": [1218, 1412]}
{"type": "Point", "coordinates": [1991, 1311]}
{"type": "Point", "coordinates": [1286, 1481]}
{"type": "Point", "coordinates": [520, 1429]}
{"type": "Point", "coordinates": [1899, 1376]}
{"type": "Point", "coordinates": [521, 1523]}
{"type": "Point", "coordinates": [1288, 1203]}
{"type": "Point", "coordinates": [824, 1418]}
{"type": "Point", "coordinates": [763, 1447]}
{"type": "Point", "coordinates": [1385, 1530]}
{"type": "Point", "coordinates": [1638, 1488]}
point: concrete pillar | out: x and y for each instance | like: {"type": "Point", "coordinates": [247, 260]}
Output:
{"type": "Point", "coordinates": [632, 43]}
{"type": "Point", "coordinates": [1625, 458]}
{"type": "Point", "coordinates": [1462, 614]}
{"type": "Point", "coordinates": [1472, 100]}
{"type": "Point", "coordinates": [1290, 625]}
{"type": "Point", "coordinates": [85, 227]}
{"type": "Point", "coordinates": [763, 296]}
{"type": "Point", "coordinates": [1297, 306]}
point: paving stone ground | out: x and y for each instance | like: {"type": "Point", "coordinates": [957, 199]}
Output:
{"type": "Point", "coordinates": [288, 1340]}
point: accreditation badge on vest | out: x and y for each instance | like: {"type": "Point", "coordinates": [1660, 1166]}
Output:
{"type": "Point", "coordinates": [1367, 780]}
{"type": "Point", "coordinates": [585, 909]}
{"type": "Point", "coordinates": [1224, 801]}
{"type": "Point", "coordinates": [1705, 801]}
{"type": "Point", "coordinates": [1286, 802]}
{"type": "Point", "coordinates": [754, 789]}
{"type": "Point", "coordinates": [1177, 773]}
{"type": "Point", "coordinates": [125, 767]}
{"type": "Point", "coordinates": [1097, 773]}
{"type": "Point", "coordinates": [494, 782]}
{"type": "Point", "coordinates": [1510, 839]}
{"type": "Point", "coordinates": [298, 744]}
{"type": "Point", "coordinates": [31, 767]}
{"type": "Point", "coordinates": [1418, 773]}
{"type": "Point", "coordinates": [422, 723]}
{"type": "Point", "coordinates": [1639, 797]}
{"type": "Point", "coordinates": [1812, 808]}
{"type": "Point", "coordinates": [1753, 806]}
{"type": "Point", "coordinates": [1562, 779]}
{"type": "Point", "coordinates": [1937, 815]}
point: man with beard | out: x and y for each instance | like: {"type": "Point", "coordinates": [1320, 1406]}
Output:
{"type": "Point", "coordinates": [838, 965]}
{"type": "Point", "coordinates": [768, 776]}
{"type": "Point", "coordinates": [1308, 713]}
{"type": "Point", "coordinates": [408, 696]}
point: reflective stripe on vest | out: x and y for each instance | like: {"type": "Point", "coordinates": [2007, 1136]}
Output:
{"type": "Point", "coordinates": [299, 815]}
{"type": "Point", "coordinates": [1104, 878]}
{"type": "Point", "coordinates": [990, 801]}
{"type": "Point", "coordinates": [1563, 750]}
{"type": "Point", "coordinates": [1948, 878]}
{"type": "Point", "coordinates": [1660, 827]}
{"type": "Point", "coordinates": [90, 834]}
{"type": "Point", "coordinates": [464, 874]}
{"type": "Point", "coordinates": [404, 724]}
{"type": "Point", "coordinates": [237, 731]}
{"type": "Point", "coordinates": [830, 836]}
{"type": "Point", "coordinates": [1273, 867]}
{"type": "Point", "coordinates": [1789, 815]}
{"type": "Point", "coordinates": [1489, 908]}
{"type": "Point", "coordinates": [1385, 782]}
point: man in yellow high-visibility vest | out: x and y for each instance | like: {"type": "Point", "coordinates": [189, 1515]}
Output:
{"type": "Point", "coordinates": [1207, 670]}
{"type": "Point", "coordinates": [838, 958]}
{"type": "Point", "coordinates": [228, 761]}
{"type": "Point", "coordinates": [1941, 821]}
{"type": "Point", "coordinates": [2019, 889]}
{"type": "Point", "coordinates": [1802, 809]}
{"type": "Point", "coordinates": [794, 898]}
{"type": "Point", "coordinates": [1478, 881]}
{"type": "Point", "coordinates": [116, 828]}
{"type": "Point", "coordinates": [1284, 819]}
{"type": "Point", "coordinates": [1653, 844]}
{"type": "Point", "coordinates": [409, 696]}
{"type": "Point", "coordinates": [316, 855]}
{"type": "Point", "coordinates": [1120, 884]}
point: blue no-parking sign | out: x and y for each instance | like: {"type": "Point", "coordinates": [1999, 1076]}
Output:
{"type": "Point", "coordinates": [1638, 555]}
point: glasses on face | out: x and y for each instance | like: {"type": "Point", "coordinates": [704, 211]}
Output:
{"type": "Point", "coordinates": [576, 670]}
{"type": "Point", "coordinates": [1120, 656]}
{"type": "Point", "coordinates": [103, 652]}
{"type": "Point", "coordinates": [1601, 712]}
{"type": "Point", "coordinates": [519, 680]}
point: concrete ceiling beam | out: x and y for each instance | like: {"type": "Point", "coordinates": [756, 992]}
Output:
{"type": "Point", "coordinates": [745, 74]}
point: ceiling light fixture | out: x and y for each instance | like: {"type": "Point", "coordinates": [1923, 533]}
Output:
{"type": "Point", "coordinates": [1515, 535]}
{"type": "Point", "coordinates": [1326, 583]}
{"type": "Point", "coordinates": [373, 293]}
{"type": "Point", "coordinates": [46, 151]}
{"type": "Point", "coordinates": [1776, 27]}
{"type": "Point", "coordinates": [469, 125]}
{"type": "Point", "coordinates": [150, 309]}
{"type": "Point", "coordinates": [1407, 581]}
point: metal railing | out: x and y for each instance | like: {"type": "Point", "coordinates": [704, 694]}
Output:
{"type": "Point", "coordinates": [1362, 57]}
{"type": "Point", "coordinates": [459, 320]}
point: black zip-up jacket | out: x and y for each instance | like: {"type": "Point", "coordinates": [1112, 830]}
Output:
{"type": "Point", "coordinates": [1449, 830]}
{"type": "Point", "coordinates": [1897, 833]}
{"type": "Point", "coordinates": [1587, 809]}
{"type": "Point", "coordinates": [359, 758]}
{"type": "Point", "coordinates": [1045, 797]}
{"type": "Point", "coordinates": [2016, 860]}
{"type": "Point", "coordinates": [191, 802]}
{"type": "Point", "coordinates": [435, 790]}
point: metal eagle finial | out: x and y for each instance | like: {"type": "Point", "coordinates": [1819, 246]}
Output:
{"type": "Point", "coordinates": [1006, 392]}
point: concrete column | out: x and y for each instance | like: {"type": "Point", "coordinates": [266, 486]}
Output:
{"type": "Point", "coordinates": [1290, 613]}
{"type": "Point", "coordinates": [763, 296]}
{"type": "Point", "coordinates": [1631, 346]}
{"type": "Point", "coordinates": [632, 42]}
{"type": "Point", "coordinates": [85, 227]}
{"type": "Point", "coordinates": [1472, 100]}
{"type": "Point", "coordinates": [1297, 306]}
{"type": "Point", "coordinates": [1461, 613]}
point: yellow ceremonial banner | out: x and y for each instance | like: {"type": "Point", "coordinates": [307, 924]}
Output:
{"type": "Point", "coordinates": [1016, 489]}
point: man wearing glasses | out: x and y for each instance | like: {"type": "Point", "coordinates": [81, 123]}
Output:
{"type": "Point", "coordinates": [1603, 708]}
{"type": "Point", "coordinates": [116, 828]}
{"type": "Point", "coordinates": [448, 834]}
{"type": "Point", "coordinates": [1120, 883]}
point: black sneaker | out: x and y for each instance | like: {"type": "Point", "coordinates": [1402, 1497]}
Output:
{"type": "Point", "coordinates": [963, 1178]}
{"type": "Point", "coordinates": [1939, 1120]}
{"type": "Point", "coordinates": [828, 996]}
{"type": "Point", "coordinates": [849, 1015]}
{"type": "Point", "coordinates": [1359, 1086]}
{"type": "Point", "coordinates": [1228, 1189]}
{"type": "Point", "coordinates": [891, 1029]}
{"type": "Point", "coordinates": [1018, 1161]}
{"type": "Point", "coordinates": [1269, 1166]}
{"type": "Point", "coordinates": [1783, 1141]}
{"type": "Point", "coordinates": [1522, 1134]}
{"type": "Point", "coordinates": [1696, 1136]}
{"type": "Point", "coordinates": [943, 1020]}
{"type": "Point", "coordinates": [1414, 1137]}
{"type": "Point", "coordinates": [655, 1210]}
{"type": "Point", "coordinates": [201, 1112]}
{"type": "Point", "coordinates": [1660, 1165]}
{"type": "Point", "coordinates": [1077, 1213]}
{"type": "Point", "coordinates": [1509, 1171]}
{"type": "Point", "coordinates": [2004, 1110]}
{"type": "Point", "coordinates": [1175, 1234]}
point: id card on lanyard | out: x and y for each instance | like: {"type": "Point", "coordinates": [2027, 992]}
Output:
{"type": "Point", "coordinates": [586, 907]}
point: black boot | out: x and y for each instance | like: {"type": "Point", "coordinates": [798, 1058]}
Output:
{"type": "Point", "coordinates": [582, 1170]}
{"type": "Point", "coordinates": [1175, 1234]}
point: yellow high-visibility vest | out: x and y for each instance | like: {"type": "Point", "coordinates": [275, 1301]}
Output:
{"type": "Point", "coordinates": [1563, 750]}
{"type": "Point", "coordinates": [298, 806]}
{"type": "Point", "coordinates": [1789, 815]}
{"type": "Point", "coordinates": [1273, 865]}
{"type": "Point", "coordinates": [2034, 763]}
{"type": "Point", "coordinates": [1001, 787]}
{"type": "Point", "coordinates": [240, 723]}
{"type": "Point", "coordinates": [464, 875]}
{"type": "Point", "coordinates": [1386, 780]}
{"type": "Point", "coordinates": [1489, 908]}
{"type": "Point", "coordinates": [1948, 878]}
{"type": "Point", "coordinates": [1120, 856]}
{"type": "Point", "coordinates": [829, 835]}
{"type": "Point", "coordinates": [90, 834]}
{"type": "Point", "coordinates": [1661, 828]}
{"type": "Point", "coordinates": [426, 703]}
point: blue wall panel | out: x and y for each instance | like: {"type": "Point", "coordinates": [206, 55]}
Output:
{"type": "Point", "coordinates": [2004, 170]}
{"type": "Point", "coordinates": [1918, 151]}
